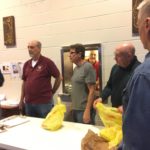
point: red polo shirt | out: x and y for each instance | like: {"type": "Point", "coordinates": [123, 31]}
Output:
{"type": "Point", "coordinates": [38, 88]}
{"type": "Point", "coordinates": [96, 66]}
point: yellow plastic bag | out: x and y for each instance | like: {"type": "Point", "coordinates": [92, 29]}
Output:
{"type": "Point", "coordinates": [55, 117]}
{"type": "Point", "coordinates": [112, 120]}
{"type": "Point", "coordinates": [109, 115]}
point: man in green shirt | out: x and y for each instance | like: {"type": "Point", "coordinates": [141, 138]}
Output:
{"type": "Point", "coordinates": [83, 86]}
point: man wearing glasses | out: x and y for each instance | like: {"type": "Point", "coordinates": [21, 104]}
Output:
{"type": "Point", "coordinates": [83, 86]}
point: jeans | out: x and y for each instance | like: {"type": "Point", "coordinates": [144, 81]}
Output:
{"type": "Point", "coordinates": [38, 110]}
{"type": "Point", "coordinates": [78, 116]}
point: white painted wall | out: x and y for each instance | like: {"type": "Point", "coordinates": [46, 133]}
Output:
{"type": "Point", "coordinates": [58, 23]}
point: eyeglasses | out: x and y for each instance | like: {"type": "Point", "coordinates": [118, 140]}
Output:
{"type": "Point", "coordinates": [72, 53]}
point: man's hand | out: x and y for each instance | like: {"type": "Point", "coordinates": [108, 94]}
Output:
{"type": "Point", "coordinates": [120, 109]}
{"type": "Point", "coordinates": [98, 100]}
{"type": "Point", "coordinates": [86, 116]}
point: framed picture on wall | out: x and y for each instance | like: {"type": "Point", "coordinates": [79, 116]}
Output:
{"type": "Point", "coordinates": [9, 31]}
{"type": "Point", "coordinates": [135, 4]}
{"type": "Point", "coordinates": [92, 54]}
{"type": "Point", "coordinates": [6, 68]}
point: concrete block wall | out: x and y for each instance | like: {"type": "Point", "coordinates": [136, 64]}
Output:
{"type": "Point", "coordinates": [61, 23]}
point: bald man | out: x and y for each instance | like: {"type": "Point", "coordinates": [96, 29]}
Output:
{"type": "Point", "coordinates": [126, 62]}
{"type": "Point", "coordinates": [37, 90]}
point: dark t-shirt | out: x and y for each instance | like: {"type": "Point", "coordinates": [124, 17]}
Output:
{"type": "Point", "coordinates": [38, 88]}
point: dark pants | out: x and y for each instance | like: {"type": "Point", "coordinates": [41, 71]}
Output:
{"type": "Point", "coordinates": [78, 116]}
{"type": "Point", "coordinates": [38, 110]}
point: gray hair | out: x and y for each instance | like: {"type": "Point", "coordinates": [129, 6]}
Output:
{"type": "Point", "coordinates": [144, 9]}
{"type": "Point", "coordinates": [39, 44]}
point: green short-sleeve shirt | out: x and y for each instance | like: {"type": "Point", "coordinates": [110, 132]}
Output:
{"type": "Point", "coordinates": [82, 75]}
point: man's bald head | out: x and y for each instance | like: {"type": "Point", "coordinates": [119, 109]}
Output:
{"type": "Point", "coordinates": [124, 54]}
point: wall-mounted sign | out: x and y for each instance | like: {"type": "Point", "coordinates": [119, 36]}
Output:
{"type": "Point", "coordinates": [9, 31]}
{"type": "Point", "coordinates": [135, 4]}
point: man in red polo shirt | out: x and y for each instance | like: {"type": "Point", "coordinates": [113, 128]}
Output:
{"type": "Point", "coordinates": [96, 64]}
{"type": "Point", "coordinates": [37, 91]}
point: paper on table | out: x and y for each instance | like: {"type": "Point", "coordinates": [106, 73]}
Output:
{"type": "Point", "coordinates": [2, 97]}
{"type": "Point", "coordinates": [13, 121]}
{"type": "Point", "coordinates": [9, 103]}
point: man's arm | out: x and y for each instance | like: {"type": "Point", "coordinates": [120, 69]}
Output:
{"type": "Point", "coordinates": [106, 92]}
{"type": "Point", "coordinates": [86, 115]}
{"type": "Point", "coordinates": [56, 84]}
{"type": "Point", "coordinates": [21, 103]}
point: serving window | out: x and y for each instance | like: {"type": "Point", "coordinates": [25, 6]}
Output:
{"type": "Point", "coordinates": [92, 54]}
